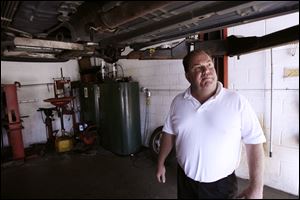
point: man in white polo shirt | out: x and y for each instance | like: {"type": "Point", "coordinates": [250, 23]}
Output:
{"type": "Point", "coordinates": [208, 123]}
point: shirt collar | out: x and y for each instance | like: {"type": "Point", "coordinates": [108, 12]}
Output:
{"type": "Point", "coordinates": [188, 95]}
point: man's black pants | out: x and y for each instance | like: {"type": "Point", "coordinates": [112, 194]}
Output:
{"type": "Point", "coordinates": [187, 188]}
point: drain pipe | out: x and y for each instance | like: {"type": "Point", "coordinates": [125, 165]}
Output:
{"type": "Point", "coordinates": [147, 93]}
{"type": "Point", "coordinates": [271, 106]}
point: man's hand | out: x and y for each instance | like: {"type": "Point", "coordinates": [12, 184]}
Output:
{"type": "Point", "coordinates": [255, 155]}
{"type": "Point", "coordinates": [250, 193]}
{"type": "Point", "coordinates": [161, 174]}
{"type": "Point", "coordinates": [166, 144]}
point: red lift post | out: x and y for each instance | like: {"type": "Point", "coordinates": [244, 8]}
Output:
{"type": "Point", "coordinates": [14, 132]}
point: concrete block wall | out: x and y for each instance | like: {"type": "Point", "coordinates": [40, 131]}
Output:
{"type": "Point", "coordinates": [251, 76]}
{"type": "Point", "coordinates": [33, 77]}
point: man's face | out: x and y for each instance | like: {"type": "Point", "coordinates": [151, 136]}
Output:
{"type": "Point", "coordinates": [202, 74]}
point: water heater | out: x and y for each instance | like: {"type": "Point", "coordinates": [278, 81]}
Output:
{"type": "Point", "coordinates": [120, 129]}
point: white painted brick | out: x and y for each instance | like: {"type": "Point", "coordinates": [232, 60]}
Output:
{"type": "Point", "coordinates": [174, 93]}
{"type": "Point", "coordinates": [272, 167]}
{"type": "Point", "coordinates": [231, 86]}
{"type": "Point", "coordinates": [283, 57]}
{"type": "Point", "coordinates": [256, 79]}
{"type": "Point", "coordinates": [164, 110]}
{"type": "Point", "coordinates": [238, 79]}
{"type": "Point", "coordinates": [231, 62]}
{"type": "Point", "coordinates": [266, 132]}
{"type": "Point", "coordinates": [175, 62]}
{"type": "Point", "coordinates": [167, 100]}
{"type": "Point", "coordinates": [232, 80]}
{"type": "Point", "coordinates": [143, 80]}
{"type": "Point", "coordinates": [173, 81]}
{"type": "Point", "coordinates": [176, 69]}
{"type": "Point", "coordinates": [182, 82]}
{"type": "Point", "coordinates": [282, 181]}
{"type": "Point", "coordinates": [154, 122]}
{"type": "Point", "coordinates": [156, 100]}
{"type": "Point", "coordinates": [156, 80]}
{"type": "Point", "coordinates": [163, 70]}
{"type": "Point", "coordinates": [161, 113]}
{"type": "Point", "coordinates": [277, 103]}
{"type": "Point", "coordinates": [267, 110]}
{"type": "Point", "coordinates": [142, 71]}
{"type": "Point", "coordinates": [10, 72]}
{"type": "Point", "coordinates": [166, 80]}
{"type": "Point", "coordinates": [290, 136]}
{"type": "Point", "coordinates": [290, 177]}
{"type": "Point", "coordinates": [285, 108]}
{"type": "Point", "coordinates": [256, 99]}
{"type": "Point", "coordinates": [282, 22]}
{"type": "Point", "coordinates": [163, 93]}
{"type": "Point", "coordinates": [153, 109]}
{"type": "Point", "coordinates": [250, 29]}
{"type": "Point", "coordinates": [291, 106]}
{"type": "Point", "coordinates": [272, 172]}
{"type": "Point", "coordinates": [290, 121]}
{"type": "Point", "coordinates": [250, 75]}
{"type": "Point", "coordinates": [162, 83]}
{"type": "Point", "coordinates": [285, 61]}
{"type": "Point", "coordinates": [286, 154]}
{"type": "Point", "coordinates": [276, 135]}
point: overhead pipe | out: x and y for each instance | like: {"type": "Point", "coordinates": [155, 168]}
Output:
{"type": "Point", "coordinates": [202, 12]}
{"type": "Point", "coordinates": [127, 12]}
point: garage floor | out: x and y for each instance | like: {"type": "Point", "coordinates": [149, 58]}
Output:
{"type": "Point", "coordinates": [93, 173]}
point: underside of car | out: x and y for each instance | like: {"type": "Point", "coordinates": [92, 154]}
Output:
{"type": "Point", "coordinates": [63, 30]}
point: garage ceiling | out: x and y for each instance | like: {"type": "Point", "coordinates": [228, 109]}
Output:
{"type": "Point", "coordinates": [61, 30]}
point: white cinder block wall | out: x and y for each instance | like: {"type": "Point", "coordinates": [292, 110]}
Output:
{"type": "Point", "coordinates": [33, 77]}
{"type": "Point", "coordinates": [251, 76]}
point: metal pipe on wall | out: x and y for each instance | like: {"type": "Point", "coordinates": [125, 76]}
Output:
{"type": "Point", "coordinates": [271, 106]}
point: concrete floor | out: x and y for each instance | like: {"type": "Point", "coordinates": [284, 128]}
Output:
{"type": "Point", "coordinates": [95, 173]}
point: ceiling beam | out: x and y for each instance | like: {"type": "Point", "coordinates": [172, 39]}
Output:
{"type": "Point", "coordinates": [231, 46]}
{"type": "Point", "coordinates": [238, 46]}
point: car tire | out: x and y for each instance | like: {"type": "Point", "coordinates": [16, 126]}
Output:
{"type": "Point", "coordinates": [154, 144]}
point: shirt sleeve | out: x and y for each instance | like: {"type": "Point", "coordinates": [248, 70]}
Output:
{"type": "Point", "coordinates": [251, 130]}
{"type": "Point", "coordinates": [168, 127]}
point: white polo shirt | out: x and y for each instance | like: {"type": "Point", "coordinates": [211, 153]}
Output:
{"type": "Point", "coordinates": [209, 135]}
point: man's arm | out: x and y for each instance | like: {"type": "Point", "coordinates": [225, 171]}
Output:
{"type": "Point", "coordinates": [255, 158]}
{"type": "Point", "coordinates": [166, 145]}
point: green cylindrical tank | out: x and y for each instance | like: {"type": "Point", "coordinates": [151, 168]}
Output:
{"type": "Point", "coordinates": [120, 127]}
{"type": "Point", "coordinates": [89, 103]}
